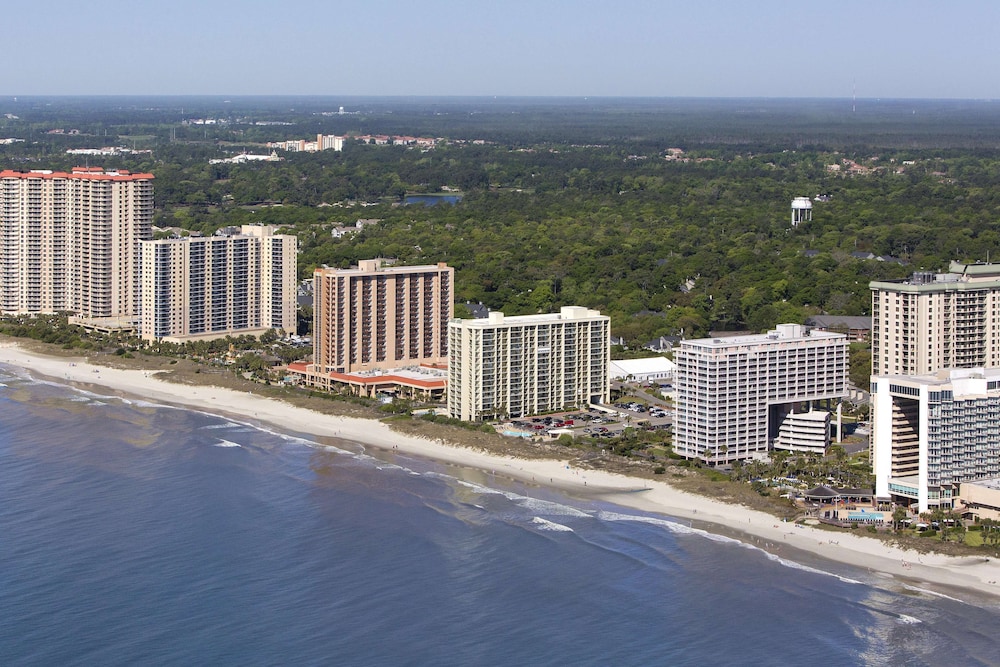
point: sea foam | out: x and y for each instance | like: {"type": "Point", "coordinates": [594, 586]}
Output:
{"type": "Point", "coordinates": [544, 524]}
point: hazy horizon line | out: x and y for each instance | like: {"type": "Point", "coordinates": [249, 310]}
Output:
{"type": "Point", "coordinates": [494, 97]}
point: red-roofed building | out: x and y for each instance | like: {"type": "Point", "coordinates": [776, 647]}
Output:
{"type": "Point", "coordinates": [426, 383]}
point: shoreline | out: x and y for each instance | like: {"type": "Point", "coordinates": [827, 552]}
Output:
{"type": "Point", "coordinates": [928, 572]}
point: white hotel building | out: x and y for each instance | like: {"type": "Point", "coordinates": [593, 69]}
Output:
{"type": "Point", "coordinates": [216, 286]}
{"type": "Point", "coordinates": [528, 364]}
{"type": "Point", "coordinates": [70, 241]}
{"type": "Point", "coordinates": [738, 396]}
{"type": "Point", "coordinates": [934, 431]}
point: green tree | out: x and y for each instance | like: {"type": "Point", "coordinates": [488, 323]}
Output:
{"type": "Point", "coordinates": [898, 517]}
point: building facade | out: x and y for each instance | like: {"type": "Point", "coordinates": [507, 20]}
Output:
{"type": "Point", "coordinates": [932, 432]}
{"type": "Point", "coordinates": [515, 366]}
{"type": "Point", "coordinates": [70, 241]}
{"type": "Point", "coordinates": [807, 432]}
{"type": "Point", "coordinates": [211, 287]}
{"type": "Point", "coordinates": [937, 320]}
{"type": "Point", "coordinates": [323, 142]}
{"type": "Point", "coordinates": [733, 394]}
{"type": "Point", "coordinates": [375, 316]}
{"type": "Point", "coordinates": [980, 499]}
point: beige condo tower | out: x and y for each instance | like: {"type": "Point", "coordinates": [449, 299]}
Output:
{"type": "Point", "coordinates": [937, 320]}
{"type": "Point", "coordinates": [528, 364]}
{"type": "Point", "coordinates": [70, 241]}
{"type": "Point", "coordinates": [232, 283]}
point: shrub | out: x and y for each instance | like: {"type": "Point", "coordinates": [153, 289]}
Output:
{"type": "Point", "coordinates": [659, 470]}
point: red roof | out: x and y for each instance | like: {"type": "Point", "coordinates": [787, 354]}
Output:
{"type": "Point", "coordinates": [389, 378]}
{"type": "Point", "coordinates": [436, 383]}
{"type": "Point", "coordinates": [81, 173]}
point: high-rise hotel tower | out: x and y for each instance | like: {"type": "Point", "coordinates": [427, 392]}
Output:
{"type": "Point", "coordinates": [239, 281]}
{"type": "Point", "coordinates": [932, 321]}
{"type": "Point", "coordinates": [502, 367]}
{"type": "Point", "coordinates": [376, 317]}
{"type": "Point", "coordinates": [70, 241]}
{"type": "Point", "coordinates": [738, 396]}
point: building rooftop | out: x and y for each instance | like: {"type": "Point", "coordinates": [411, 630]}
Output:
{"type": "Point", "coordinates": [993, 484]}
{"type": "Point", "coordinates": [783, 334]}
{"type": "Point", "coordinates": [964, 382]}
{"type": "Point", "coordinates": [977, 269]}
{"type": "Point", "coordinates": [625, 367]}
{"type": "Point", "coordinates": [83, 173]}
{"type": "Point", "coordinates": [497, 318]}
{"type": "Point", "coordinates": [847, 321]}
{"type": "Point", "coordinates": [959, 277]}
{"type": "Point", "coordinates": [812, 415]}
{"type": "Point", "coordinates": [367, 266]}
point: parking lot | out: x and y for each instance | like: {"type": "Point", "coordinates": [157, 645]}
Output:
{"type": "Point", "coordinates": [606, 422]}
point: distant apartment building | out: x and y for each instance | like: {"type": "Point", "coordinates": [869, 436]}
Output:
{"type": "Point", "coordinates": [937, 320]}
{"type": "Point", "coordinates": [933, 432]}
{"type": "Point", "coordinates": [736, 396]}
{"type": "Point", "coordinates": [857, 328]}
{"type": "Point", "coordinates": [514, 366]}
{"type": "Point", "coordinates": [240, 282]}
{"type": "Point", "coordinates": [375, 316]}
{"type": "Point", "coordinates": [70, 241]}
{"type": "Point", "coordinates": [323, 142]}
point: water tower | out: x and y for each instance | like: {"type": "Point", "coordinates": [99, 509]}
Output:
{"type": "Point", "coordinates": [802, 210]}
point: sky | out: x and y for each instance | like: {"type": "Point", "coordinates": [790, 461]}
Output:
{"type": "Point", "coordinates": [647, 48]}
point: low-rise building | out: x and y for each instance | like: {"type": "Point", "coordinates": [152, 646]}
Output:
{"type": "Point", "coordinates": [980, 498]}
{"type": "Point", "coordinates": [647, 369]}
{"type": "Point", "coordinates": [421, 383]}
{"type": "Point", "coordinates": [857, 328]}
{"type": "Point", "coordinates": [804, 432]}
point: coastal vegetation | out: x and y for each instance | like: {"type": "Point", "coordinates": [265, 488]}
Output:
{"type": "Point", "coordinates": [671, 216]}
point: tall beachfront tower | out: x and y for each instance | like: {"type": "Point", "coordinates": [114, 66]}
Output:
{"type": "Point", "coordinates": [514, 366]}
{"type": "Point", "coordinates": [735, 393]}
{"type": "Point", "coordinates": [375, 316]}
{"type": "Point", "coordinates": [211, 287]}
{"type": "Point", "coordinates": [937, 320]}
{"type": "Point", "coordinates": [934, 431]}
{"type": "Point", "coordinates": [70, 241]}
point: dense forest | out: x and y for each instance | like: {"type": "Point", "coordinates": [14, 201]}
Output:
{"type": "Point", "coordinates": [672, 216]}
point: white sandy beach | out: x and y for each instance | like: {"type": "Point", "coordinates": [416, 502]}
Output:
{"type": "Point", "coordinates": [924, 571]}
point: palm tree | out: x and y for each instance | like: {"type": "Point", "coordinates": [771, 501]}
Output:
{"type": "Point", "coordinates": [898, 517]}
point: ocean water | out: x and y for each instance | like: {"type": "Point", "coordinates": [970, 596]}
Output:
{"type": "Point", "coordinates": [140, 534]}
